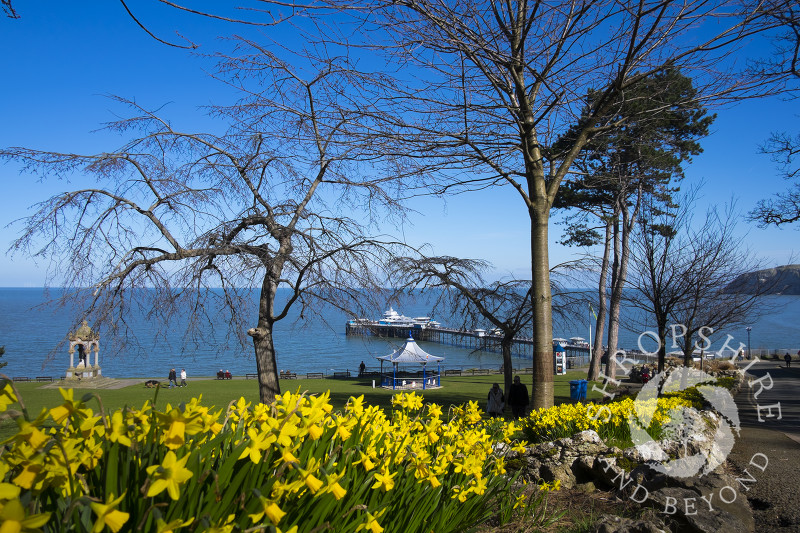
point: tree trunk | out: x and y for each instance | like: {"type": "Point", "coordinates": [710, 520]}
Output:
{"type": "Point", "coordinates": [600, 323]}
{"type": "Point", "coordinates": [505, 345]}
{"type": "Point", "coordinates": [619, 276]}
{"type": "Point", "coordinates": [542, 393]}
{"type": "Point", "coordinates": [662, 349]}
{"type": "Point", "coordinates": [264, 345]}
{"type": "Point", "coordinates": [268, 386]}
{"type": "Point", "coordinates": [613, 308]}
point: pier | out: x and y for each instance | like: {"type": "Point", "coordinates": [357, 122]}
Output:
{"type": "Point", "coordinates": [478, 339]}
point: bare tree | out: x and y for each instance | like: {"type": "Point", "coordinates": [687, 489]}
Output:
{"type": "Point", "coordinates": [494, 85]}
{"type": "Point", "coordinates": [682, 272]}
{"type": "Point", "coordinates": [8, 9]}
{"type": "Point", "coordinates": [657, 279]}
{"type": "Point", "coordinates": [783, 208]}
{"type": "Point", "coordinates": [192, 221]}
{"type": "Point", "coordinates": [714, 258]}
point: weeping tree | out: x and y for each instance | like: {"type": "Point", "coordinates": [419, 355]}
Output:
{"type": "Point", "coordinates": [176, 221]}
{"type": "Point", "coordinates": [460, 287]}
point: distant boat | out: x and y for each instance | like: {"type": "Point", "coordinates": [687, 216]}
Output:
{"type": "Point", "coordinates": [393, 318]}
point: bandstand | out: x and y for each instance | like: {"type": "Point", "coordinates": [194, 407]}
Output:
{"type": "Point", "coordinates": [411, 354]}
{"type": "Point", "coordinates": [84, 341]}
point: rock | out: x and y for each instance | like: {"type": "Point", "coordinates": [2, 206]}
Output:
{"type": "Point", "coordinates": [699, 505]}
{"type": "Point", "coordinates": [608, 473]}
{"type": "Point", "coordinates": [618, 524]}
{"type": "Point", "coordinates": [555, 470]}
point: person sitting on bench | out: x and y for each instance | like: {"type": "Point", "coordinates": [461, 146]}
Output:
{"type": "Point", "coordinates": [228, 374]}
{"type": "Point", "coordinates": [220, 374]}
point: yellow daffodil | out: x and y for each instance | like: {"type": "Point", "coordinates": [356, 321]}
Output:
{"type": "Point", "coordinates": [9, 491]}
{"type": "Point", "coordinates": [355, 406]}
{"type": "Point", "coordinates": [68, 408]}
{"type": "Point", "coordinates": [384, 480]}
{"type": "Point", "coordinates": [7, 397]}
{"type": "Point", "coordinates": [31, 434]}
{"type": "Point", "coordinates": [14, 520]}
{"type": "Point", "coordinates": [176, 425]}
{"type": "Point", "coordinates": [119, 429]}
{"type": "Point", "coordinates": [164, 527]}
{"type": "Point", "coordinates": [372, 522]}
{"type": "Point", "coordinates": [169, 475]}
{"type": "Point", "coordinates": [108, 515]}
{"type": "Point", "coordinates": [30, 471]}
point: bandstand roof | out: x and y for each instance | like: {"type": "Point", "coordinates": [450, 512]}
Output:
{"type": "Point", "coordinates": [411, 353]}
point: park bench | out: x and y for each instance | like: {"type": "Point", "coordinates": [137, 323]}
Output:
{"type": "Point", "coordinates": [44, 378]}
{"type": "Point", "coordinates": [315, 375]}
{"type": "Point", "coordinates": [288, 375]}
{"type": "Point", "coordinates": [251, 376]}
{"type": "Point", "coordinates": [480, 371]}
{"type": "Point", "coordinates": [345, 374]}
{"type": "Point", "coordinates": [452, 372]}
{"type": "Point", "coordinates": [21, 378]}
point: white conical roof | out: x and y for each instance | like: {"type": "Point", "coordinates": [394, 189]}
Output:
{"type": "Point", "coordinates": [411, 353]}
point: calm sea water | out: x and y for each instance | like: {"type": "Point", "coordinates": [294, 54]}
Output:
{"type": "Point", "coordinates": [30, 335]}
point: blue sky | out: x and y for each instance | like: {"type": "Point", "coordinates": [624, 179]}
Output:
{"type": "Point", "coordinates": [61, 59]}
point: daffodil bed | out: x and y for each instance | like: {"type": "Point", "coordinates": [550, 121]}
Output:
{"type": "Point", "coordinates": [610, 420]}
{"type": "Point", "coordinates": [294, 466]}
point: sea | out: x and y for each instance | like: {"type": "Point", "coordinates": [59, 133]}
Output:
{"type": "Point", "coordinates": [33, 333]}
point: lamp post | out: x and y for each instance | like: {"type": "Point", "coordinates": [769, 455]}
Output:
{"type": "Point", "coordinates": [749, 353]}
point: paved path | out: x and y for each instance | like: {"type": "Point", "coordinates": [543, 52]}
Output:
{"type": "Point", "coordinates": [775, 496]}
{"type": "Point", "coordinates": [101, 383]}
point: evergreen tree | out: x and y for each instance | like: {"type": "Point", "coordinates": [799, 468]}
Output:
{"type": "Point", "coordinates": [658, 124]}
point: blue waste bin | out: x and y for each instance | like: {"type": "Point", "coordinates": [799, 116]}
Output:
{"type": "Point", "coordinates": [583, 386]}
{"type": "Point", "coordinates": [574, 389]}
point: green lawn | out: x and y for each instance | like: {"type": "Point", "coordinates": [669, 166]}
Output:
{"type": "Point", "coordinates": [456, 390]}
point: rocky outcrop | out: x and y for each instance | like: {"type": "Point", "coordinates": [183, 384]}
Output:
{"type": "Point", "coordinates": [783, 280]}
{"type": "Point", "coordinates": [695, 504]}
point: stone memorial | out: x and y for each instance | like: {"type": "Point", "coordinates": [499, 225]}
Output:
{"type": "Point", "coordinates": [85, 342]}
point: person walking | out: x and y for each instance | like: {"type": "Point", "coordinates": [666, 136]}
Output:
{"type": "Point", "coordinates": [518, 398]}
{"type": "Point", "coordinates": [788, 359]}
{"type": "Point", "coordinates": [496, 401]}
{"type": "Point", "coordinates": [173, 378]}
{"type": "Point", "coordinates": [183, 377]}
